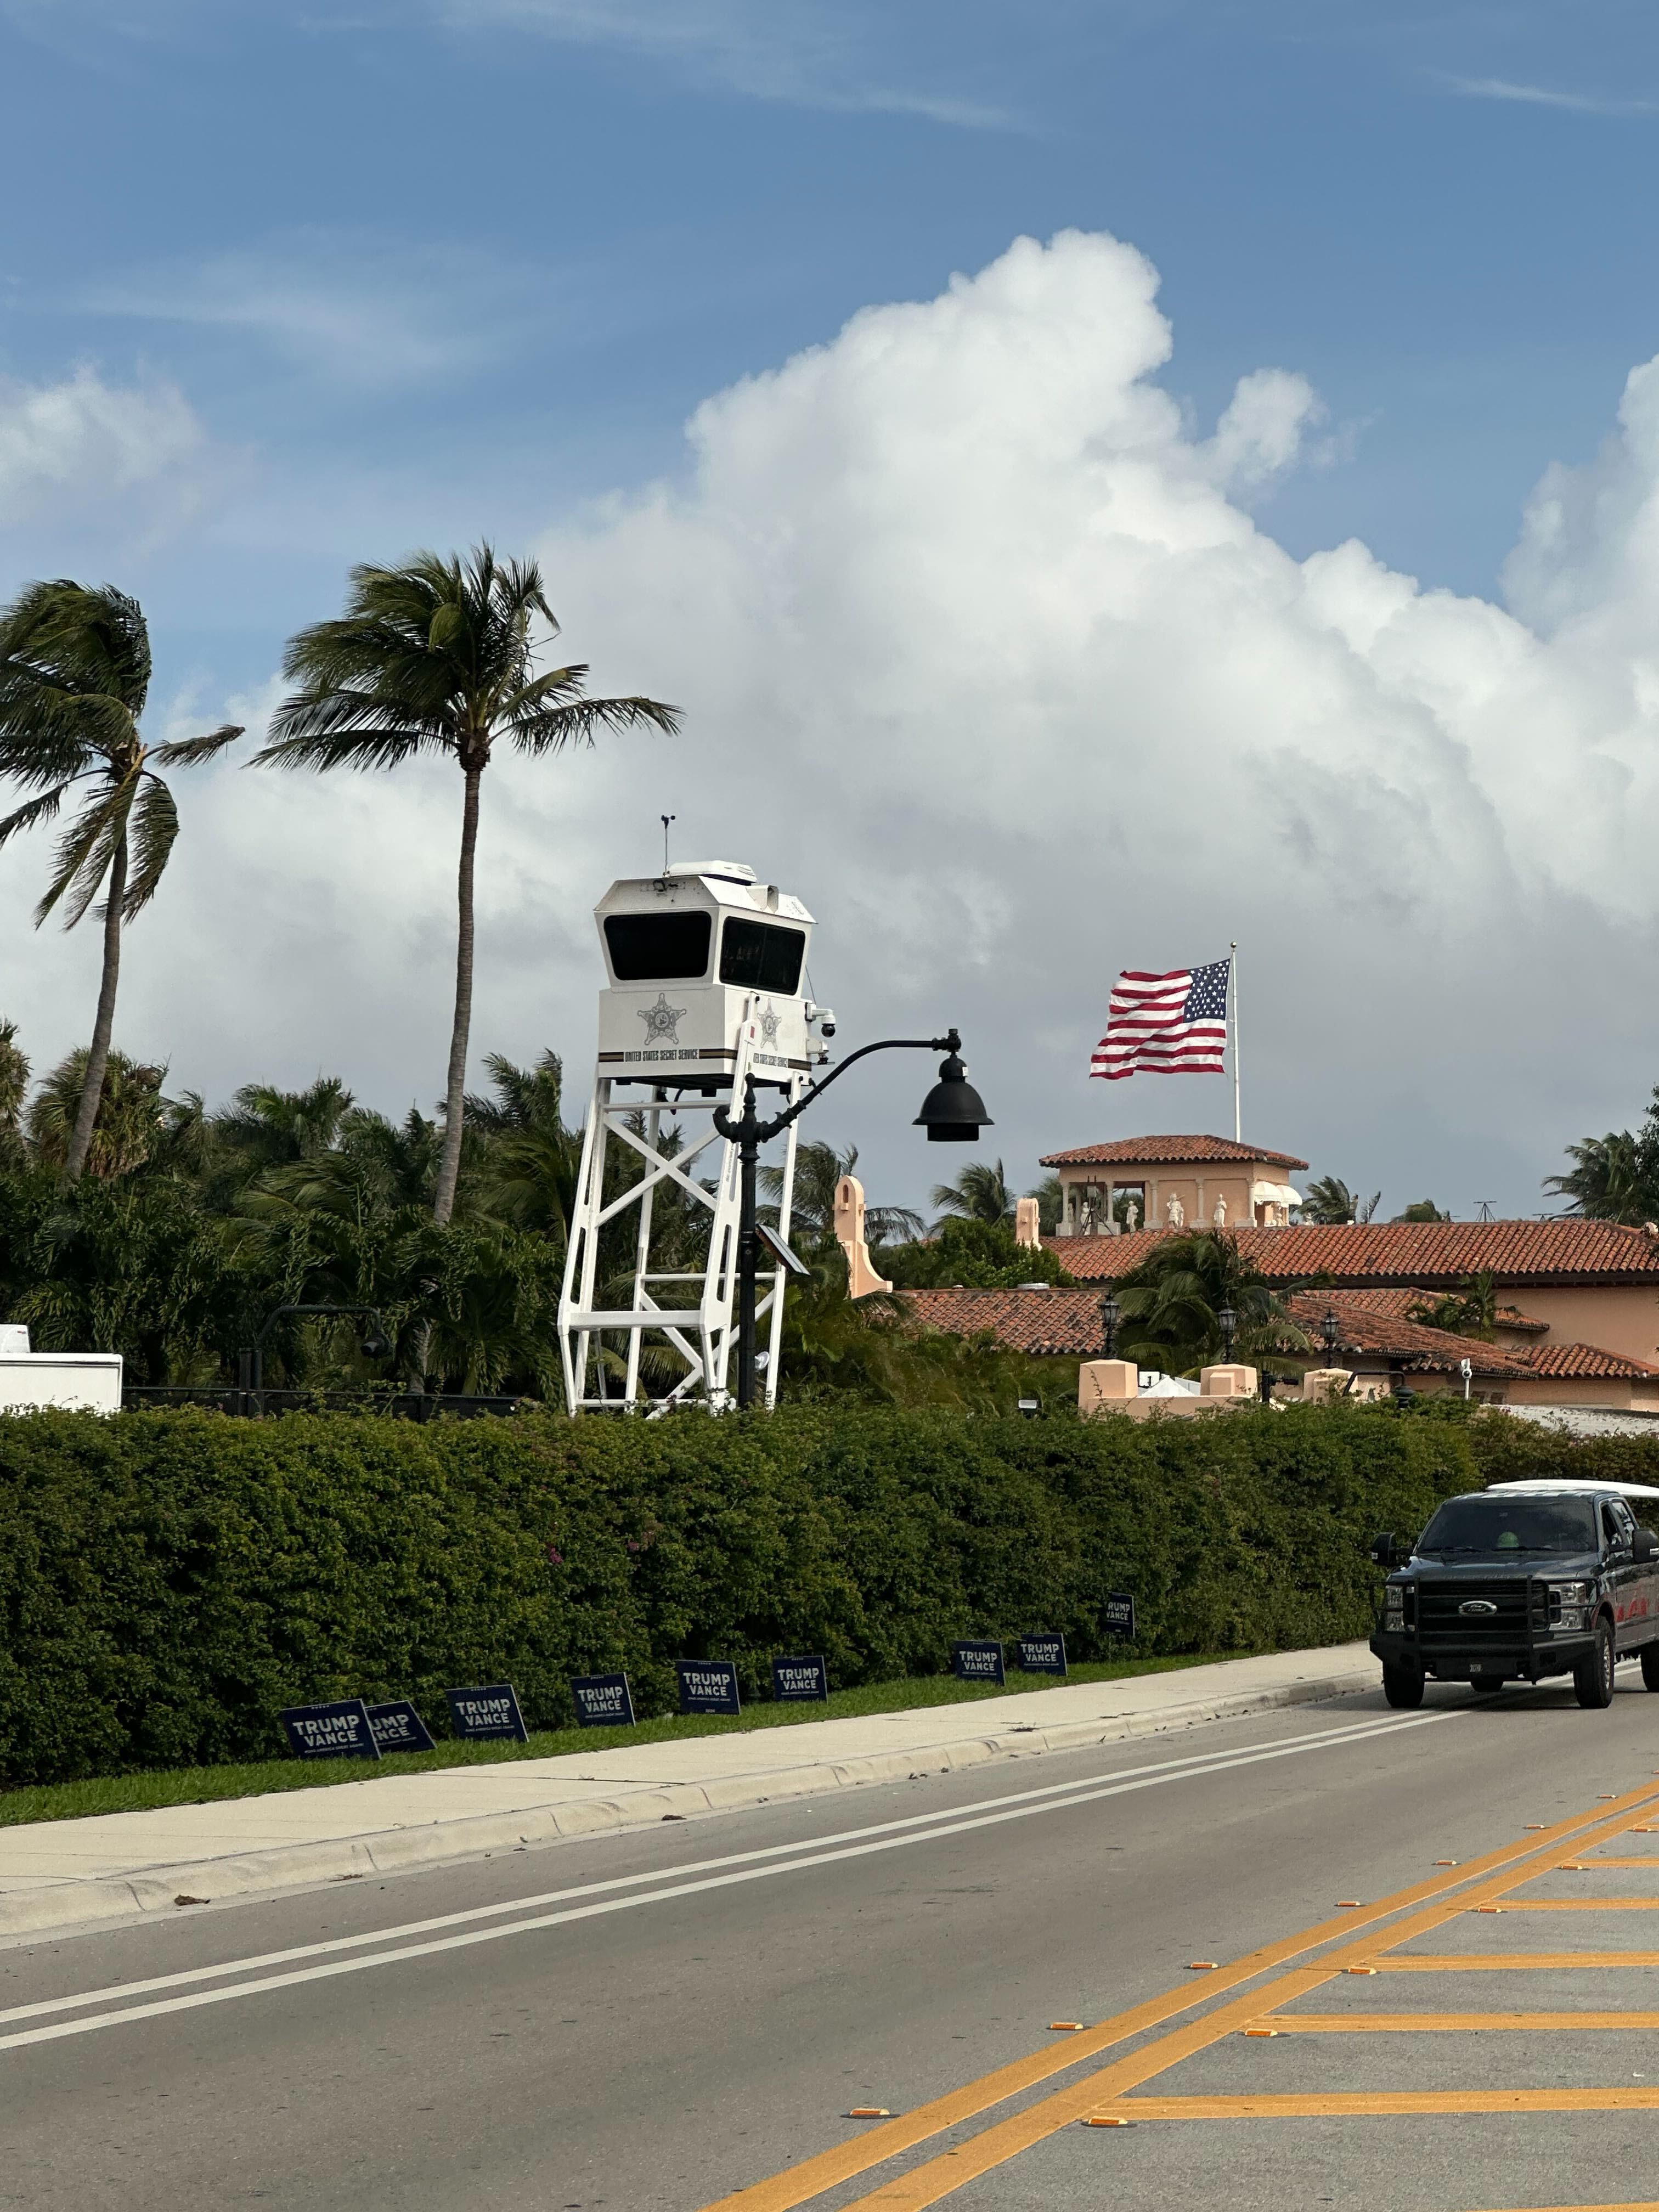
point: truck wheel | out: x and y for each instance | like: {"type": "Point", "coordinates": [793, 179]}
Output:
{"type": "Point", "coordinates": [1650, 1666]}
{"type": "Point", "coordinates": [1488, 1682]}
{"type": "Point", "coordinates": [1402, 1686]}
{"type": "Point", "coordinates": [1592, 1678]}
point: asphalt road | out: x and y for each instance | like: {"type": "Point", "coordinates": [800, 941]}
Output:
{"type": "Point", "coordinates": [656, 2020]}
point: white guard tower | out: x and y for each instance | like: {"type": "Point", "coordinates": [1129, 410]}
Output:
{"type": "Point", "coordinates": [706, 968]}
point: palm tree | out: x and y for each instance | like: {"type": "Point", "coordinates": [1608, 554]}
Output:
{"type": "Point", "coordinates": [13, 1089]}
{"type": "Point", "coordinates": [437, 656]}
{"type": "Point", "coordinates": [1329, 1199]}
{"type": "Point", "coordinates": [818, 1168]}
{"type": "Point", "coordinates": [128, 1129]}
{"type": "Point", "coordinates": [980, 1193]}
{"type": "Point", "coordinates": [74, 676]}
{"type": "Point", "coordinates": [1612, 1178]}
{"type": "Point", "coordinates": [1172, 1301]}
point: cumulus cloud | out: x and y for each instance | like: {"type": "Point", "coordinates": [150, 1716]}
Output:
{"type": "Point", "coordinates": [69, 444]}
{"type": "Point", "coordinates": [984, 656]}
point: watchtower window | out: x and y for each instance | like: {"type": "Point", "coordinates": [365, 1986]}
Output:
{"type": "Point", "coordinates": [665, 947]}
{"type": "Point", "coordinates": [761, 957]}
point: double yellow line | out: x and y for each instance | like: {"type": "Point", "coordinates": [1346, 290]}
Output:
{"type": "Point", "coordinates": [1095, 2097]}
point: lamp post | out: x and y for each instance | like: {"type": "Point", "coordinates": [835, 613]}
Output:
{"type": "Point", "coordinates": [952, 1112]}
{"type": "Point", "coordinates": [250, 1364]}
{"type": "Point", "coordinates": [1227, 1322]}
{"type": "Point", "coordinates": [1330, 1329]}
{"type": "Point", "coordinates": [1110, 1313]}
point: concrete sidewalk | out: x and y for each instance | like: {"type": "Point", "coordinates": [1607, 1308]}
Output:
{"type": "Point", "coordinates": [61, 1873]}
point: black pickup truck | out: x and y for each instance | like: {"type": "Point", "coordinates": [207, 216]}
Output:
{"type": "Point", "coordinates": [1520, 1582]}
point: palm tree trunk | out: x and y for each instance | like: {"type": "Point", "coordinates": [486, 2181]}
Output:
{"type": "Point", "coordinates": [92, 1090]}
{"type": "Point", "coordinates": [449, 1167]}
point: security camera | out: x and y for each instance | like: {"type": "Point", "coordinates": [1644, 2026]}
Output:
{"type": "Point", "coordinates": [827, 1021]}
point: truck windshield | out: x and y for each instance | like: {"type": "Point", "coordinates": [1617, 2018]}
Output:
{"type": "Point", "coordinates": [1511, 1524]}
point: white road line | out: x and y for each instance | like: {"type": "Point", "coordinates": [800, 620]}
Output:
{"type": "Point", "coordinates": [1165, 1770]}
{"type": "Point", "coordinates": [1017, 1808]}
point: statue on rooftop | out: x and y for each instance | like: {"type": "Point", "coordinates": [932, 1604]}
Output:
{"type": "Point", "coordinates": [1176, 1212]}
{"type": "Point", "coordinates": [1219, 1216]}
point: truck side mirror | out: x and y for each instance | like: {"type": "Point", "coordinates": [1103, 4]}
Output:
{"type": "Point", "coordinates": [1388, 1553]}
{"type": "Point", "coordinates": [1646, 1546]}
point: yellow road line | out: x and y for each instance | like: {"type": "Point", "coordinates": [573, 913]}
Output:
{"type": "Point", "coordinates": [941, 2176]}
{"type": "Point", "coordinates": [1589, 1866]}
{"type": "Point", "coordinates": [1410, 2023]}
{"type": "Point", "coordinates": [873, 2147]}
{"type": "Point", "coordinates": [1501, 1962]}
{"type": "Point", "coordinates": [1647, 2204]}
{"type": "Point", "coordinates": [1579, 1903]}
{"type": "Point", "coordinates": [1363, 2104]}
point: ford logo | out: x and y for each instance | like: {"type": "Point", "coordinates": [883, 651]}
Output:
{"type": "Point", "coordinates": [1478, 1604]}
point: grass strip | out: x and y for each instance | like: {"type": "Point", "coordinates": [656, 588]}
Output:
{"type": "Point", "coordinates": [203, 1785]}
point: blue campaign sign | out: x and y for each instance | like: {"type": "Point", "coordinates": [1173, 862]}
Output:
{"type": "Point", "coordinates": [800, 1681]}
{"type": "Point", "coordinates": [340, 1730]}
{"type": "Point", "coordinates": [603, 1700]}
{"type": "Point", "coordinates": [398, 1727]}
{"type": "Point", "coordinates": [488, 1714]}
{"type": "Point", "coordinates": [1041, 1655]}
{"type": "Point", "coordinates": [977, 1662]}
{"type": "Point", "coordinates": [707, 1686]}
{"type": "Point", "coordinates": [1120, 1614]}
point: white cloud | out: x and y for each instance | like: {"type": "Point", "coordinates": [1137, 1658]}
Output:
{"type": "Point", "coordinates": [982, 655]}
{"type": "Point", "coordinates": [70, 444]}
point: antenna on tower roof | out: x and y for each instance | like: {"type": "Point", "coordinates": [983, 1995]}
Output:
{"type": "Point", "coordinates": [666, 819]}
{"type": "Point", "coordinates": [1483, 1208]}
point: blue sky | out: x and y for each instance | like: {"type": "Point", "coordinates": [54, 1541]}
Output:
{"type": "Point", "coordinates": [338, 281]}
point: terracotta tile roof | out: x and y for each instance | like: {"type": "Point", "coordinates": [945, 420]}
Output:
{"type": "Point", "coordinates": [1426, 1254]}
{"type": "Point", "coordinates": [1401, 1304]}
{"type": "Point", "coordinates": [1065, 1324]}
{"type": "Point", "coordinates": [1046, 1323]}
{"type": "Point", "coordinates": [1420, 1350]}
{"type": "Point", "coordinates": [1167, 1151]}
{"type": "Point", "coordinates": [1568, 1360]}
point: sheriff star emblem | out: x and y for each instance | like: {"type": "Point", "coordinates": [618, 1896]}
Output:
{"type": "Point", "coordinates": [662, 1021]}
{"type": "Point", "coordinates": [768, 1023]}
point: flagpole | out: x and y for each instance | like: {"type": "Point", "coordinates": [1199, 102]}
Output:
{"type": "Point", "coordinates": [1232, 978]}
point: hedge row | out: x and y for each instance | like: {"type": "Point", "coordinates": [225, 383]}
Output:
{"type": "Point", "coordinates": [169, 1581]}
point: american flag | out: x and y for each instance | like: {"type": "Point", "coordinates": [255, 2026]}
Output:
{"type": "Point", "coordinates": [1173, 1024]}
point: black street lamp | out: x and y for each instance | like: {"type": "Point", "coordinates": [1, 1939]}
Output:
{"type": "Point", "coordinates": [1226, 1321]}
{"type": "Point", "coordinates": [250, 1364]}
{"type": "Point", "coordinates": [1110, 1313]}
{"type": "Point", "coordinates": [952, 1112]}
{"type": "Point", "coordinates": [1330, 1328]}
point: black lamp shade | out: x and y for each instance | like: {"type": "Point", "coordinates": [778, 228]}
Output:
{"type": "Point", "coordinates": [953, 1113]}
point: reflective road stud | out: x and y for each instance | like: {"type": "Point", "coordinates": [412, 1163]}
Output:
{"type": "Point", "coordinates": [1203, 1966]}
{"type": "Point", "coordinates": [1067, 2026]}
{"type": "Point", "coordinates": [869, 2112]}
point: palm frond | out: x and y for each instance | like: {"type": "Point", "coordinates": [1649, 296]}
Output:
{"type": "Point", "coordinates": [551, 729]}
{"type": "Point", "coordinates": [89, 641]}
{"type": "Point", "coordinates": [37, 811]}
{"type": "Point", "coordinates": [186, 751]}
{"type": "Point", "coordinates": [86, 851]}
{"type": "Point", "coordinates": [154, 828]}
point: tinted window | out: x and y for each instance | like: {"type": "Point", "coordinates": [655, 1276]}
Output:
{"type": "Point", "coordinates": [762, 957]}
{"type": "Point", "coordinates": [647, 946]}
{"type": "Point", "coordinates": [1512, 1524]}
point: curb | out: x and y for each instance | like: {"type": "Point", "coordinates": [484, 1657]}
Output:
{"type": "Point", "coordinates": [155, 1889]}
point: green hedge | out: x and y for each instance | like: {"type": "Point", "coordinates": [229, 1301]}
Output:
{"type": "Point", "coordinates": [169, 1581]}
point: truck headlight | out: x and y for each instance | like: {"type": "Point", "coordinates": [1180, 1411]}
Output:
{"type": "Point", "coordinates": [1570, 1604]}
{"type": "Point", "coordinates": [1394, 1606]}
